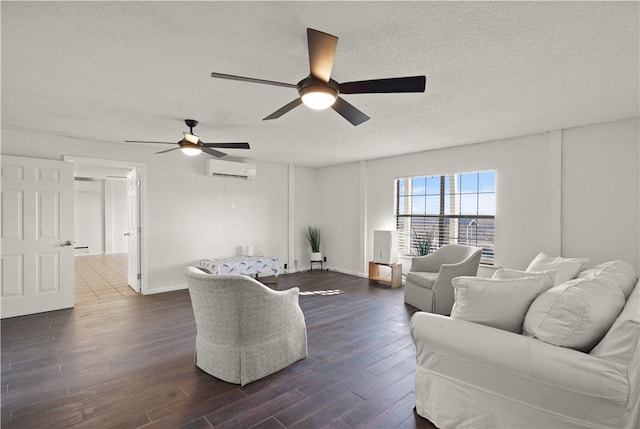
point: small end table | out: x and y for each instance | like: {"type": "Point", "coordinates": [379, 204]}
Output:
{"type": "Point", "coordinates": [396, 273]}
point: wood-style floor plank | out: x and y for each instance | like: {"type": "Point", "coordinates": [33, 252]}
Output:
{"type": "Point", "coordinates": [128, 363]}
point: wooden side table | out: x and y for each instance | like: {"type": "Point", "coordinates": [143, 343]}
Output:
{"type": "Point", "coordinates": [396, 273]}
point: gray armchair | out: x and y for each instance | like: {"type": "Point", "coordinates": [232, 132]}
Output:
{"type": "Point", "coordinates": [428, 285]}
{"type": "Point", "coordinates": [245, 330]}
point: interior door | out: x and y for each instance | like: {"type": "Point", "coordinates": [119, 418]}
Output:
{"type": "Point", "coordinates": [133, 232]}
{"type": "Point", "coordinates": [37, 236]}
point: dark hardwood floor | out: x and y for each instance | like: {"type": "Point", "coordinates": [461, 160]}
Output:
{"type": "Point", "coordinates": [128, 363]}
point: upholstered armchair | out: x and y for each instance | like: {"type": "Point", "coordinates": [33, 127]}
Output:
{"type": "Point", "coordinates": [428, 285]}
{"type": "Point", "coordinates": [245, 330]}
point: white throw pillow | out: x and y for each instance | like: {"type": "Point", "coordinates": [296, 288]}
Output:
{"type": "Point", "coordinates": [621, 271]}
{"type": "Point", "coordinates": [548, 276]}
{"type": "Point", "coordinates": [500, 303]}
{"type": "Point", "coordinates": [575, 314]}
{"type": "Point", "coordinates": [567, 268]}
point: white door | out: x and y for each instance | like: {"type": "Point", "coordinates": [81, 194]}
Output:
{"type": "Point", "coordinates": [133, 232]}
{"type": "Point", "coordinates": [37, 236]}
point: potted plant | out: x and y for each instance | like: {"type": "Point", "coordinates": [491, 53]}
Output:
{"type": "Point", "coordinates": [422, 241]}
{"type": "Point", "coordinates": [312, 237]}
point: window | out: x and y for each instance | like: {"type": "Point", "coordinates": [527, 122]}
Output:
{"type": "Point", "coordinates": [453, 208]}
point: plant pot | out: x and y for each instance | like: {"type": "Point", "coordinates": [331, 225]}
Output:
{"type": "Point", "coordinates": [316, 256]}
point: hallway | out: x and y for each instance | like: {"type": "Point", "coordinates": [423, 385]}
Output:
{"type": "Point", "coordinates": [101, 278]}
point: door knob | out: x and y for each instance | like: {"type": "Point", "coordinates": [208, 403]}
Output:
{"type": "Point", "coordinates": [66, 243]}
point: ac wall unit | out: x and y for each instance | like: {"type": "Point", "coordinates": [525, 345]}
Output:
{"type": "Point", "coordinates": [217, 167]}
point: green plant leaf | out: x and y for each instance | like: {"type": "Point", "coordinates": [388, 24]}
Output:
{"type": "Point", "coordinates": [312, 237]}
{"type": "Point", "coordinates": [421, 242]}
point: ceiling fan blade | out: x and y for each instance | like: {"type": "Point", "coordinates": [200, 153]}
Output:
{"type": "Point", "coordinates": [349, 112]}
{"type": "Point", "coordinates": [252, 80]}
{"type": "Point", "coordinates": [168, 150]}
{"type": "Point", "coordinates": [281, 111]}
{"type": "Point", "coordinates": [213, 152]}
{"type": "Point", "coordinates": [322, 51]}
{"type": "Point", "coordinates": [395, 84]}
{"type": "Point", "coordinates": [141, 141]}
{"type": "Point", "coordinates": [228, 145]}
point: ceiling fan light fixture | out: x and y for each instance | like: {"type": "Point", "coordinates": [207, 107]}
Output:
{"type": "Point", "coordinates": [191, 145]}
{"type": "Point", "coordinates": [318, 97]}
{"type": "Point", "coordinates": [190, 149]}
{"type": "Point", "coordinates": [191, 138]}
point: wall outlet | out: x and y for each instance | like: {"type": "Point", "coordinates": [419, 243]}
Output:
{"type": "Point", "coordinates": [325, 259]}
{"type": "Point", "coordinates": [285, 266]}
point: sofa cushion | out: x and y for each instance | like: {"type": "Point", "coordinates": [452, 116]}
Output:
{"type": "Point", "coordinates": [575, 314]}
{"type": "Point", "coordinates": [500, 303]}
{"type": "Point", "coordinates": [548, 276]}
{"type": "Point", "coordinates": [421, 278]}
{"type": "Point", "coordinates": [621, 341]}
{"type": "Point", "coordinates": [567, 268]}
{"type": "Point", "coordinates": [620, 271]}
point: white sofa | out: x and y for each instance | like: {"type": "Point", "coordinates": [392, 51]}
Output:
{"type": "Point", "coordinates": [471, 375]}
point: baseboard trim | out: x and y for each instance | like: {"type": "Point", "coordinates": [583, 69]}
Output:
{"type": "Point", "coordinates": [349, 272]}
{"type": "Point", "coordinates": [166, 289]}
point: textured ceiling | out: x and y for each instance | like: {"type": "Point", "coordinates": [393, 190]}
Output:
{"type": "Point", "coordinates": [112, 71]}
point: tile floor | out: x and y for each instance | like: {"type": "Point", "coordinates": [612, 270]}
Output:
{"type": "Point", "coordinates": [101, 278]}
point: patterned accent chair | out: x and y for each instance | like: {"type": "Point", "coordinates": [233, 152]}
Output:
{"type": "Point", "coordinates": [245, 330]}
{"type": "Point", "coordinates": [428, 286]}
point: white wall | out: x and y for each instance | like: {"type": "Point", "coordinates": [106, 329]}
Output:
{"type": "Point", "coordinates": [522, 208]}
{"type": "Point", "coordinates": [600, 191]}
{"type": "Point", "coordinates": [193, 216]}
{"type": "Point", "coordinates": [340, 220]}
{"type": "Point", "coordinates": [116, 215]}
{"type": "Point", "coordinates": [190, 216]}
{"type": "Point", "coordinates": [100, 207]}
{"type": "Point", "coordinates": [305, 213]}
{"type": "Point", "coordinates": [89, 216]}
{"type": "Point", "coordinates": [540, 194]}
{"type": "Point", "coordinates": [541, 185]}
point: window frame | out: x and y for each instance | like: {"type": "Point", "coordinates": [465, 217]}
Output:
{"type": "Point", "coordinates": [442, 218]}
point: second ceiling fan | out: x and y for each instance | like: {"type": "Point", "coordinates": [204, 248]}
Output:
{"type": "Point", "coordinates": [319, 91]}
{"type": "Point", "coordinates": [192, 145]}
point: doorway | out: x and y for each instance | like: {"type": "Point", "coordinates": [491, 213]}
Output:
{"type": "Point", "coordinates": [123, 247]}
{"type": "Point", "coordinates": [101, 278]}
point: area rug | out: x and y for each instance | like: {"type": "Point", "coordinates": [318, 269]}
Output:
{"type": "Point", "coordinates": [323, 292]}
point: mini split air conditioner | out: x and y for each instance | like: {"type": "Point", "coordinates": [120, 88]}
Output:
{"type": "Point", "coordinates": [217, 167]}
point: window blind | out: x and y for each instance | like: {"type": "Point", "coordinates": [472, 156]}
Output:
{"type": "Point", "coordinates": [450, 209]}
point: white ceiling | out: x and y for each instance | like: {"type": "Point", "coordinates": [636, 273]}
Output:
{"type": "Point", "coordinates": [112, 71]}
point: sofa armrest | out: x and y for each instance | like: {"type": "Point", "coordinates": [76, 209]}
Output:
{"type": "Point", "coordinates": [457, 348]}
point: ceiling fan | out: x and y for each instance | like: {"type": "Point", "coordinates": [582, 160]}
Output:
{"type": "Point", "coordinates": [319, 91]}
{"type": "Point", "coordinates": [192, 145]}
